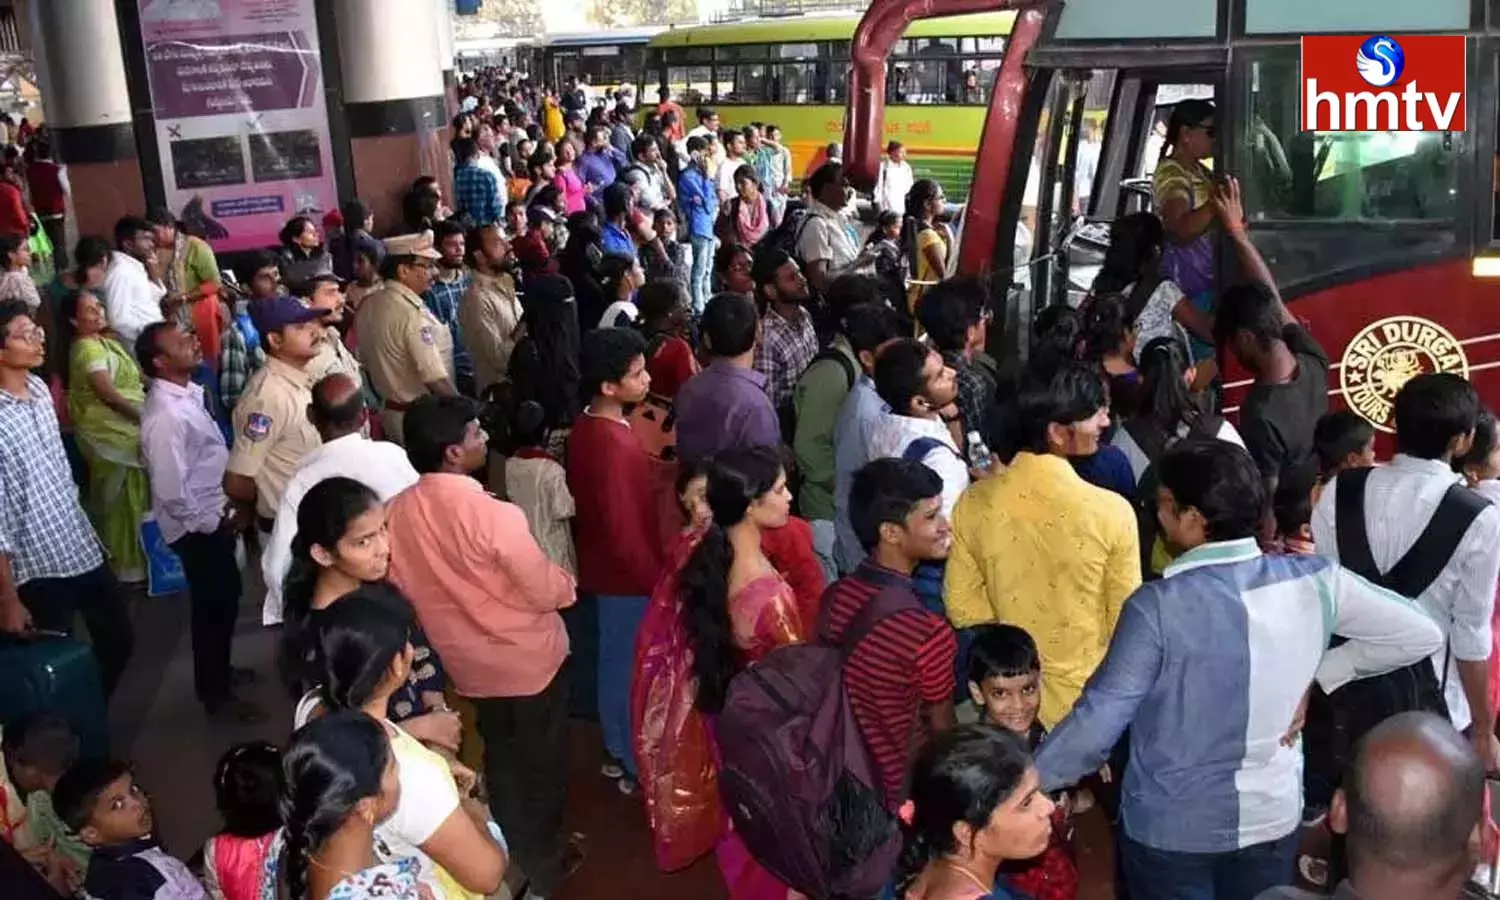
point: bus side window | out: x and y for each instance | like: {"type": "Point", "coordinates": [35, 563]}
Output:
{"type": "Point", "coordinates": [1290, 173]}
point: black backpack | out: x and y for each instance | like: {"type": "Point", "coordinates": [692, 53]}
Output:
{"type": "Point", "coordinates": [788, 233]}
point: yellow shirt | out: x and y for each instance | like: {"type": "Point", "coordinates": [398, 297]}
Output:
{"type": "Point", "coordinates": [1038, 547]}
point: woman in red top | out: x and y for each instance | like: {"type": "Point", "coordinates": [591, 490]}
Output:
{"type": "Point", "coordinates": [14, 219]}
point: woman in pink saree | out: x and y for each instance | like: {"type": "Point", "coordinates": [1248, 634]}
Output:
{"type": "Point", "coordinates": [720, 607]}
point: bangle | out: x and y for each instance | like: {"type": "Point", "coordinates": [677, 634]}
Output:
{"type": "Point", "coordinates": [949, 419]}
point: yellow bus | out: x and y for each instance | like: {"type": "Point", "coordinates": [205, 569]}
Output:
{"type": "Point", "coordinates": [792, 72]}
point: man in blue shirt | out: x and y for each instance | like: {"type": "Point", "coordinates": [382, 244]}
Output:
{"type": "Point", "coordinates": [476, 192]}
{"type": "Point", "coordinates": [699, 199]}
{"type": "Point", "coordinates": [1210, 669]}
{"type": "Point", "coordinates": [614, 237]}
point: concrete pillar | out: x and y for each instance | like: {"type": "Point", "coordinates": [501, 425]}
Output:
{"type": "Point", "coordinates": [81, 70]}
{"type": "Point", "coordinates": [393, 100]}
{"type": "Point", "coordinates": [446, 53]}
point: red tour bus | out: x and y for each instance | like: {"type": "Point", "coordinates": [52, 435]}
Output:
{"type": "Point", "coordinates": [1387, 243]}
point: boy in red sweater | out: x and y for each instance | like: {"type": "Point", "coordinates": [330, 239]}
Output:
{"type": "Point", "coordinates": [614, 526]}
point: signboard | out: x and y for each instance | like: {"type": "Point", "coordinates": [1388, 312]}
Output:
{"type": "Point", "coordinates": [241, 121]}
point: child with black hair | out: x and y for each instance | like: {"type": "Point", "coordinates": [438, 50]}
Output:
{"type": "Point", "coordinates": [38, 748]}
{"type": "Point", "coordinates": [667, 257]}
{"type": "Point", "coordinates": [1343, 440]}
{"type": "Point", "coordinates": [1292, 505]}
{"type": "Point", "coordinates": [1005, 683]}
{"type": "Point", "coordinates": [246, 788]}
{"type": "Point", "coordinates": [884, 248]}
{"type": "Point", "coordinates": [101, 803]}
{"type": "Point", "coordinates": [538, 484]}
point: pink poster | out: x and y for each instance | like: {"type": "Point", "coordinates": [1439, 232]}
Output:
{"type": "Point", "coordinates": [241, 121]}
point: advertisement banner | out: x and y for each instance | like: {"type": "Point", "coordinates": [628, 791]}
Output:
{"type": "Point", "coordinates": [241, 121]}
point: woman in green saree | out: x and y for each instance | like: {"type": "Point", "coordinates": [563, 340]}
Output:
{"type": "Point", "coordinates": [105, 393]}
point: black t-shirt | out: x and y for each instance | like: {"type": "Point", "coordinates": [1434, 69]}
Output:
{"type": "Point", "coordinates": [1277, 420]}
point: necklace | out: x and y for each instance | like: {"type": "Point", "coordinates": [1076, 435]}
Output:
{"type": "Point", "coordinates": [969, 874]}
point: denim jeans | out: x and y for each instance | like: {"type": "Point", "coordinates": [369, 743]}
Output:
{"type": "Point", "coordinates": [1242, 874]}
{"type": "Point", "coordinates": [703, 273]}
{"type": "Point", "coordinates": [619, 619]}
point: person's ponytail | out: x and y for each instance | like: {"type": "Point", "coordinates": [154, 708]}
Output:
{"type": "Point", "coordinates": [295, 650]}
{"type": "Point", "coordinates": [705, 605]}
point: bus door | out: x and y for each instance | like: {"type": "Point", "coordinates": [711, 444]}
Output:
{"type": "Point", "coordinates": [1099, 139]}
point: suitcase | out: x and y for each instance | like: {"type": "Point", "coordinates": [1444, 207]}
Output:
{"type": "Point", "coordinates": [53, 672]}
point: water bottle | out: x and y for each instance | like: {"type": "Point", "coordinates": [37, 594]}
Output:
{"type": "Point", "coordinates": [980, 456]}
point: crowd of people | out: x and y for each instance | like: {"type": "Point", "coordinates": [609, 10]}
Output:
{"type": "Point", "coordinates": [818, 523]}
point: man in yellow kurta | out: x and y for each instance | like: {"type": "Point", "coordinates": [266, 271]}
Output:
{"type": "Point", "coordinates": [1038, 547]}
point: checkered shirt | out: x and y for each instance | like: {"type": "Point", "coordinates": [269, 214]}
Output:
{"type": "Point", "coordinates": [237, 362]}
{"type": "Point", "coordinates": [442, 300]}
{"type": "Point", "coordinates": [786, 348]}
{"type": "Point", "coordinates": [43, 529]}
{"type": "Point", "coordinates": [477, 196]}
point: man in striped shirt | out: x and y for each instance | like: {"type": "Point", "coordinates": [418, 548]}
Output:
{"type": "Point", "coordinates": [900, 677]}
{"type": "Point", "coordinates": [1209, 668]}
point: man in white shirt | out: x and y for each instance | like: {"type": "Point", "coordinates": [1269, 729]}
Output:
{"type": "Point", "coordinates": [1435, 418]}
{"type": "Point", "coordinates": [484, 136]}
{"type": "Point", "coordinates": [185, 456]}
{"type": "Point", "coordinates": [708, 123]}
{"type": "Point", "coordinates": [734, 158]}
{"type": "Point", "coordinates": [922, 424]}
{"type": "Point", "coordinates": [132, 299]}
{"type": "Point", "coordinates": [895, 179]}
{"type": "Point", "coordinates": [338, 412]}
{"type": "Point", "coordinates": [829, 242]}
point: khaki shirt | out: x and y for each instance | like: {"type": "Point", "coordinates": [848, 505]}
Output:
{"type": "Point", "coordinates": [488, 315]}
{"type": "Point", "coordinates": [334, 357]}
{"type": "Point", "coordinates": [402, 345]}
{"type": "Point", "coordinates": [271, 431]}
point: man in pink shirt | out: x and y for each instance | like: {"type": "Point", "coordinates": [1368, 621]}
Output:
{"type": "Point", "coordinates": [488, 599]}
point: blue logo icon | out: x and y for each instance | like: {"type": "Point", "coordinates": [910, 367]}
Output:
{"type": "Point", "coordinates": [1380, 61]}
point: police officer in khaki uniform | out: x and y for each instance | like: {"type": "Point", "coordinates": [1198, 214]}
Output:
{"type": "Point", "coordinates": [406, 350]}
{"type": "Point", "coordinates": [272, 430]}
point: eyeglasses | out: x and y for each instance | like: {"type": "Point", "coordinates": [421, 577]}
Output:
{"type": "Point", "coordinates": [35, 335]}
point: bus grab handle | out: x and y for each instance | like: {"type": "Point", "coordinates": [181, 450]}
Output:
{"type": "Point", "coordinates": [881, 26]}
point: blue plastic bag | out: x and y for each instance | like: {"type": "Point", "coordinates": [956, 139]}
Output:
{"type": "Point", "coordinates": [164, 573]}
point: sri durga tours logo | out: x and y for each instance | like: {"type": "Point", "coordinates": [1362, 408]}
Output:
{"type": "Point", "coordinates": [1381, 83]}
{"type": "Point", "coordinates": [1389, 353]}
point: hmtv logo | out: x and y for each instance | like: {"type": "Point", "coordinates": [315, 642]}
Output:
{"type": "Point", "coordinates": [1381, 83]}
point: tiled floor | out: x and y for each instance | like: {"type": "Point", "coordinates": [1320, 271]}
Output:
{"type": "Point", "coordinates": [157, 724]}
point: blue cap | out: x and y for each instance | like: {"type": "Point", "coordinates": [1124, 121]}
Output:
{"type": "Point", "coordinates": [275, 313]}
